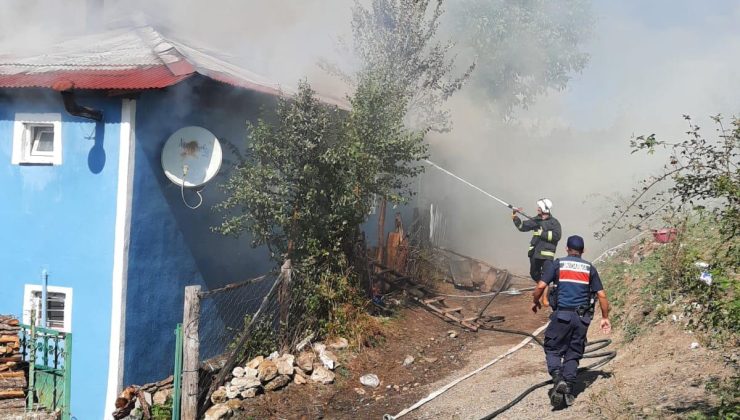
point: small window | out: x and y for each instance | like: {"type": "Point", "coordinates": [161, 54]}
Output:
{"type": "Point", "coordinates": [58, 307]}
{"type": "Point", "coordinates": [37, 139]}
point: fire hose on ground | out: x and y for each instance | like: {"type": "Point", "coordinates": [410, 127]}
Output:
{"type": "Point", "coordinates": [589, 354]}
{"type": "Point", "coordinates": [591, 347]}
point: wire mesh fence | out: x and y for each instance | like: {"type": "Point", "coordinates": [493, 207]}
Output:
{"type": "Point", "coordinates": [254, 317]}
{"type": "Point", "coordinates": [225, 314]}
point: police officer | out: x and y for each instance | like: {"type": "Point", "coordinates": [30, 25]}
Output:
{"type": "Point", "coordinates": [576, 282]}
{"type": "Point", "coordinates": [545, 236]}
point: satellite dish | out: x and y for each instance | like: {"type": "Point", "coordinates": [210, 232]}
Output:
{"type": "Point", "coordinates": [191, 156]}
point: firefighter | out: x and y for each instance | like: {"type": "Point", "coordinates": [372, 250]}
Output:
{"type": "Point", "coordinates": [577, 281]}
{"type": "Point", "coordinates": [545, 236]}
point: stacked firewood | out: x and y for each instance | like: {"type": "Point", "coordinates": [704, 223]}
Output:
{"type": "Point", "coordinates": [12, 373]}
{"type": "Point", "coordinates": [142, 398]}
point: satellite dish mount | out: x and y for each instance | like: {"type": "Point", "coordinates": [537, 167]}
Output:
{"type": "Point", "coordinates": [191, 157]}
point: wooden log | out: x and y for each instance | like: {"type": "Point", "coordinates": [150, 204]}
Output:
{"type": "Point", "coordinates": [14, 358]}
{"type": "Point", "coordinates": [448, 310]}
{"type": "Point", "coordinates": [8, 319]}
{"type": "Point", "coordinates": [8, 366]}
{"type": "Point", "coordinates": [165, 382]}
{"type": "Point", "coordinates": [381, 231]}
{"type": "Point", "coordinates": [144, 405]}
{"type": "Point", "coordinates": [18, 374]}
{"type": "Point", "coordinates": [9, 339]}
{"type": "Point", "coordinates": [12, 403]}
{"type": "Point", "coordinates": [12, 384]}
{"type": "Point", "coordinates": [13, 381]}
{"type": "Point", "coordinates": [446, 315]}
{"type": "Point", "coordinates": [11, 393]}
{"type": "Point", "coordinates": [190, 352]}
{"type": "Point", "coordinates": [434, 299]}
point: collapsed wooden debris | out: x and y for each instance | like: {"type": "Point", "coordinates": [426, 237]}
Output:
{"type": "Point", "coordinates": [471, 273]}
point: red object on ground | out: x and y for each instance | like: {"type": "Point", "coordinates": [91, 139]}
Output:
{"type": "Point", "coordinates": [664, 235]}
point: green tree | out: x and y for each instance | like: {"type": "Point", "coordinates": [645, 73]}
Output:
{"type": "Point", "coordinates": [394, 45]}
{"type": "Point", "coordinates": [292, 194]}
{"type": "Point", "coordinates": [387, 153]}
{"type": "Point", "coordinates": [306, 186]}
{"type": "Point", "coordinates": [523, 47]}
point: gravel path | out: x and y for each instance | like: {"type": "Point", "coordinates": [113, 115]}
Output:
{"type": "Point", "coordinates": [494, 387]}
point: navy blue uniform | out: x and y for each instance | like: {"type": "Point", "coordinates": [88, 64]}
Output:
{"type": "Point", "coordinates": [565, 337]}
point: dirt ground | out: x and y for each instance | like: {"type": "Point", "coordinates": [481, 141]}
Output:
{"type": "Point", "coordinates": [657, 375]}
{"type": "Point", "coordinates": [413, 331]}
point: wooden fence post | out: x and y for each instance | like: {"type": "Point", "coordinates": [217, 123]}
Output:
{"type": "Point", "coordinates": [191, 346]}
{"type": "Point", "coordinates": [284, 298]}
{"type": "Point", "coordinates": [381, 232]}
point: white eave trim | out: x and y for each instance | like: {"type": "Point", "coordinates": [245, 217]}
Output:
{"type": "Point", "coordinates": [120, 253]}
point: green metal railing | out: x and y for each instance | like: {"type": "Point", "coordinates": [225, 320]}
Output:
{"type": "Point", "coordinates": [49, 356]}
{"type": "Point", "coordinates": [177, 385]}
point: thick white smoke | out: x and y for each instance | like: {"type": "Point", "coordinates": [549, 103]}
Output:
{"type": "Point", "coordinates": [650, 63]}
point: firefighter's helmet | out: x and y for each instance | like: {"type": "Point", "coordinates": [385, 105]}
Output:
{"type": "Point", "coordinates": [545, 205]}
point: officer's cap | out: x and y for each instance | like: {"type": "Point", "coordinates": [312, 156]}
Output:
{"type": "Point", "coordinates": [575, 242]}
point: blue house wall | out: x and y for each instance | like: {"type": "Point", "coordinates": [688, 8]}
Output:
{"type": "Point", "coordinates": [61, 218]}
{"type": "Point", "coordinates": [172, 246]}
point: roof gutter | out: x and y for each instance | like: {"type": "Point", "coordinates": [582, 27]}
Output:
{"type": "Point", "coordinates": [73, 108]}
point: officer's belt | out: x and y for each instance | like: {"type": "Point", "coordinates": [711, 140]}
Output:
{"type": "Point", "coordinates": [567, 309]}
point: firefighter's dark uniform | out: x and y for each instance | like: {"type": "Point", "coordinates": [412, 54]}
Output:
{"type": "Point", "coordinates": [565, 337]}
{"type": "Point", "coordinates": [545, 236]}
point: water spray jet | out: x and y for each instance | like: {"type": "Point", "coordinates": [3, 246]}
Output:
{"type": "Point", "coordinates": [477, 188]}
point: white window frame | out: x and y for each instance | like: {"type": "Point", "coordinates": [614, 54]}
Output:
{"type": "Point", "coordinates": [29, 303]}
{"type": "Point", "coordinates": [24, 150]}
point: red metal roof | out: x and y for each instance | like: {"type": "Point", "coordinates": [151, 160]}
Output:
{"type": "Point", "coordinates": [138, 58]}
{"type": "Point", "coordinates": [133, 78]}
{"type": "Point", "coordinates": [127, 59]}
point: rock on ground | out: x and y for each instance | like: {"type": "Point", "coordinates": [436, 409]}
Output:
{"type": "Point", "coordinates": [254, 363]}
{"type": "Point", "coordinates": [305, 361]}
{"type": "Point", "coordinates": [285, 364]}
{"type": "Point", "coordinates": [160, 397]}
{"type": "Point", "coordinates": [322, 375]}
{"type": "Point", "coordinates": [234, 405]}
{"type": "Point", "coordinates": [329, 359]}
{"type": "Point", "coordinates": [244, 383]}
{"type": "Point", "coordinates": [238, 372]}
{"type": "Point", "coordinates": [277, 383]}
{"type": "Point", "coordinates": [249, 393]}
{"type": "Point", "coordinates": [299, 379]}
{"type": "Point", "coordinates": [218, 412]}
{"type": "Point", "coordinates": [370, 380]}
{"type": "Point", "coordinates": [219, 396]}
{"type": "Point", "coordinates": [267, 371]}
{"type": "Point", "coordinates": [338, 343]}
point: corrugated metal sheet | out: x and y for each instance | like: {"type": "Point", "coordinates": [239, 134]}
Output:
{"type": "Point", "coordinates": [138, 58]}
{"type": "Point", "coordinates": [133, 78]}
{"type": "Point", "coordinates": [127, 59]}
